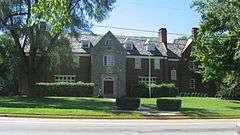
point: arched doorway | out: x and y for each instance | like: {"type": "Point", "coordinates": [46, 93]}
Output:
{"type": "Point", "coordinates": [108, 85]}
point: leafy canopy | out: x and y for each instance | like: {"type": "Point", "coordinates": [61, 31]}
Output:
{"type": "Point", "coordinates": [217, 47]}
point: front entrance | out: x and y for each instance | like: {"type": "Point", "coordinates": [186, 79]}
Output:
{"type": "Point", "coordinates": [108, 86]}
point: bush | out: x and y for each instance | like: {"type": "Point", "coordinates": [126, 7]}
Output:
{"type": "Point", "coordinates": [140, 91]}
{"type": "Point", "coordinates": [78, 89]}
{"type": "Point", "coordinates": [161, 90]}
{"type": "Point", "coordinates": [169, 104]}
{"type": "Point", "coordinates": [126, 103]}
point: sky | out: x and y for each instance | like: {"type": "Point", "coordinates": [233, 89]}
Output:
{"type": "Point", "coordinates": [175, 15]}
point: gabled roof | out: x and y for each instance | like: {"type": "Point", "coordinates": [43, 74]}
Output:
{"type": "Point", "coordinates": [173, 50]}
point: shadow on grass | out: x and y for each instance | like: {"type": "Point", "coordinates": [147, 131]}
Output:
{"type": "Point", "coordinates": [98, 105]}
{"type": "Point", "coordinates": [198, 112]}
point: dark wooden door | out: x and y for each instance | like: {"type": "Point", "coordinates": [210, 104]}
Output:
{"type": "Point", "coordinates": [108, 87]}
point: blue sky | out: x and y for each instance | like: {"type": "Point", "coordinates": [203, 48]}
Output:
{"type": "Point", "coordinates": [175, 15]}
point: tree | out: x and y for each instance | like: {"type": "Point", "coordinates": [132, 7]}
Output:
{"type": "Point", "coordinates": [35, 26]}
{"type": "Point", "coordinates": [217, 47]}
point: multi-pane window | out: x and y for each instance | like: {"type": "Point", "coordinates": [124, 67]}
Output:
{"type": "Point", "coordinates": [192, 65]}
{"type": "Point", "coordinates": [138, 64]}
{"type": "Point", "coordinates": [173, 75]}
{"type": "Point", "coordinates": [108, 42]}
{"type": "Point", "coordinates": [192, 83]}
{"type": "Point", "coordinates": [65, 78]}
{"type": "Point", "coordinates": [156, 63]}
{"type": "Point", "coordinates": [145, 79]}
{"type": "Point", "coordinates": [108, 60]}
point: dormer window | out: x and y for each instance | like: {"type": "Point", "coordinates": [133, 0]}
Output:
{"type": "Point", "coordinates": [129, 46]}
{"type": "Point", "coordinates": [108, 42]}
{"type": "Point", "coordinates": [150, 47]}
{"type": "Point", "coordinates": [85, 44]}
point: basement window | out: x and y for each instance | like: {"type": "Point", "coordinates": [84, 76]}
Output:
{"type": "Point", "coordinates": [64, 78]}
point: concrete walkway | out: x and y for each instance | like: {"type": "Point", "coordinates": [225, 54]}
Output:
{"type": "Point", "coordinates": [150, 112]}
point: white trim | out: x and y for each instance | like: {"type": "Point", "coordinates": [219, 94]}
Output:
{"type": "Point", "coordinates": [173, 59]}
{"type": "Point", "coordinates": [145, 79]}
{"type": "Point", "coordinates": [144, 57]}
{"type": "Point", "coordinates": [64, 78]}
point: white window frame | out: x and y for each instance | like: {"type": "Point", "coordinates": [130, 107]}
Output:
{"type": "Point", "coordinates": [129, 46]}
{"type": "Point", "coordinates": [64, 78]}
{"type": "Point", "coordinates": [85, 44]}
{"type": "Point", "coordinates": [144, 80]}
{"type": "Point", "coordinates": [108, 60]}
{"type": "Point", "coordinates": [157, 63]}
{"type": "Point", "coordinates": [191, 65]}
{"type": "Point", "coordinates": [138, 63]}
{"type": "Point", "coordinates": [173, 75]}
{"type": "Point", "coordinates": [108, 42]}
{"type": "Point", "coordinates": [192, 83]}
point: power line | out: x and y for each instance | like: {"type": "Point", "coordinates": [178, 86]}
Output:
{"type": "Point", "coordinates": [165, 7]}
{"type": "Point", "coordinates": [140, 30]}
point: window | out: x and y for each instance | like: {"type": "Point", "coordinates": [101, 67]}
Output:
{"type": "Point", "coordinates": [156, 63]}
{"type": "Point", "coordinates": [108, 60]}
{"type": "Point", "coordinates": [129, 46]}
{"type": "Point", "coordinates": [173, 75]}
{"type": "Point", "coordinates": [145, 79]}
{"type": "Point", "coordinates": [191, 65]}
{"type": "Point", "coordinates": [65, 78]}
{"type": "Point", "coordinates": [85, 44]}
{"type": "Point", "coordinates": [150, 47]}
{"type": "Point", "coordinates": [108, 42]}
{"type": "Point", "coordinates": [138, 63]}
{"type": "Point", "coordinates": [192, 83]}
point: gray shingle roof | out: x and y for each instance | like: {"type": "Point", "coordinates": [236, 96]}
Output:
{"type": "Point", "coordinates": [174, 49]}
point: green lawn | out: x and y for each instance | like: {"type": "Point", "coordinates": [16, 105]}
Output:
{"type": "Point", "coordinates": [193, 106]}
{"type": "Point", "coordinates": [65, 106]}
{"type": "Point", "coordinates": [77, 107]}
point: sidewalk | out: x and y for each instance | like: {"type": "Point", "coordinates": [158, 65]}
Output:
{"type": "Point", "coordinates": [152, 112]}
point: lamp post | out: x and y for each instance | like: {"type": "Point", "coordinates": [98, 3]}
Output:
{"type": "Point", "coordinates": [149, 75]}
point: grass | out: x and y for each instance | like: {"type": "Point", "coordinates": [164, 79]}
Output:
{"type": "Point", "coordinates": [194, 106]}
{"type": "Point", "coordinates": [78, 107]}
{"type": "Point", "coordinates": [65, 106]}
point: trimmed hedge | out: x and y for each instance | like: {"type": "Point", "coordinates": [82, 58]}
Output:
{"type": "Point", "coordinates": [160, 90]}
{"type": "Point", "coordinates": [126, 103]}
{"type": "Point", "coordinates": [79, 89]}
{"type": "Point", "coordinates": [169, 104]}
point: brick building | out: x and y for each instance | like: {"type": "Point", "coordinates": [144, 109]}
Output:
{"type": "Point", "coordinates": [114, 63]}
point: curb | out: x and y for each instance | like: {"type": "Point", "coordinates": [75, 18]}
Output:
{"type": "Point", "coordinates": [120, 117]}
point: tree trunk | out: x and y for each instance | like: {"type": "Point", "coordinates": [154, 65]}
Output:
{"type": "Point", "coordinates": [31, 77]}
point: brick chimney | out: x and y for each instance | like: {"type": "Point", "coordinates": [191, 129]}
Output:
{"type": "Point", "coordinates": [194, 32]}
{"type": "Point", "coordinates": [162, 33]}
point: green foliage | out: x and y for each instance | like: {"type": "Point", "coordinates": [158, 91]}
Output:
{"type": "Point", "coordinates": [230, 87]}
{"type": "Point", "coordinates": [78, 89]}
{"type": "Point", "coordinates": [37, 27]}
{"type": "Point", "coordinates": [160, 90]}
{"type": "Point", "coordinates": [169, 104]}
{"type": "Point", "coordinates": [126, 103]}
{"type": "Point", "coordinates": [9, 60]}
{"type": "Point", "coordinates": [217, 45]}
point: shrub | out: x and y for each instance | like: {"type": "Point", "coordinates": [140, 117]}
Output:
{"type": "Point", "coordinates": [161, 90]}
{"type": "Point", "coordinates": [140, 91]}
{"type": "Point", "coordinates": [164, 90]}
{"type": "Point", "coordinates": [169, 104]}
{"type": "Point", "coordinates": [126, 103]}
{"type": "Point", "coordinates": [78, 89]}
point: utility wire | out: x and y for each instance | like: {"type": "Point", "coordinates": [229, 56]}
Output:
{"type": "Point", "coordinates": [140, 30]}
{"type": "Point", "coordinates": [148, 5]}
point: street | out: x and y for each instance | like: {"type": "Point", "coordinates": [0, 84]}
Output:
{"type": "Point", "coordinates": [32, 126]}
